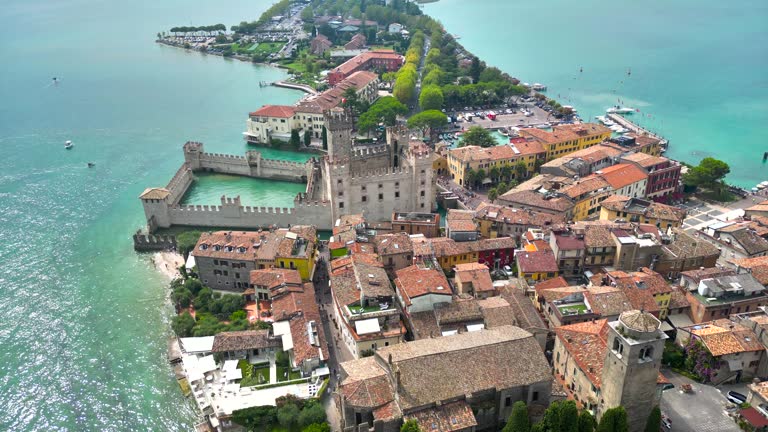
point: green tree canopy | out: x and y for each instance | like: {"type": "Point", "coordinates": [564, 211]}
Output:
{"type": "Point", "coordinates": [587, 422]}
{"type": "Point", "coordinates": [384, 110]}
{"type": "Point", "coordinates": [614, 420]}
{"type": "Point", "coordinates": [430, 119]}
{"type": "Point", "coordinates": [317, 427]}
{"type": "Point", "coordinates": [431, 98]}
{"type": "Point", "coordinates": [518, 421]}
{"type": "Point", "coordinates": [256, 418]}
{"type": "Point", "coordinates": [654, 420]}
{"type": "Point", "coordinates": [183, 324]}
{"type": "Point", "coordinates": [479, 136]}
{"type": "Point", "coordinates": [186, 241]}
{"type": "Point", "coordinates": [307, 14]}
{"type": "Point", "coordinates": [311, 413]}
{"type": "Point", "coordinates": [410, 426]}
{"type": "Point", "coordinates": [709, 173]}
{"type": "Point", "coordinates": [569, 416]}
{"type": "Point", "coordinates": [288, 416]}
{"type": "Point", "coordinates": [493, 193]}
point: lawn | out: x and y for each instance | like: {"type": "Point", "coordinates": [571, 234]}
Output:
{"type": "Point", "coordinates": [286, 374]}
{"type": "Point", "coordinates": [573, 308]}
{"type": "Point", "coordinates": [267, 48]}
{"type": "Point", "coordinates": [262, 372]}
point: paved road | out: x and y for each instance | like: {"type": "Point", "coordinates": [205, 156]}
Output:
{"type": "Point", "coordinates": [702, 411]}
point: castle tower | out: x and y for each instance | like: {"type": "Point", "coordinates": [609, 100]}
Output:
{"type": "Point", "coordinates": [192, 152]}
{"type": "Point", "coordinates": [633, 358]}
{"type": "Point", "coordinates": [338, 125]}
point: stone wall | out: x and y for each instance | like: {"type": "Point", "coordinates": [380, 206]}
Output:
{"type": "Point", "coordinates": [150, 243]}
{"type": "Point", "coordinates": [234, 215]}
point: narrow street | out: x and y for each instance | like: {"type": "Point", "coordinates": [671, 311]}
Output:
{"type": "Point", "coordinates": [337, 351]}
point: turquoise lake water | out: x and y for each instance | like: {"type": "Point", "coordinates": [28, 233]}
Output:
{"type": "Point", "coordinates": [208, 189]}
{"type": "Point", "coordinates": [698, 67]}
{"type": "Point", "coordinates": [84, 323]}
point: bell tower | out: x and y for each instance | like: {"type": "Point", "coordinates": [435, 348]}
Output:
{"type": "Point", "coordinates": [635, 344]}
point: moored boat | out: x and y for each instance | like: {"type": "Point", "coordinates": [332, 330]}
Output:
{"type": "Point", "coordinates": [68, 144]}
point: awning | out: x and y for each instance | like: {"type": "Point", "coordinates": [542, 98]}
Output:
{"type": "Point", "coordinates": [475, 327]}
{"type": "Point", "coordinates": [197, 345]}
{"type": "Point", "coordinates": [487, 181]}
{"type": "Point", "coordinates": [367, 326]}
{"type": "Point", "coordinates": [754, 417]}
{"type": "Point", "coordinates": [680, 320]}
{"type": "Point", "coordinates": [190, 265]}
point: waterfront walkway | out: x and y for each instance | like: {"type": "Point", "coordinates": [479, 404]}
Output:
{"type": "Point", "coordinates": [627, 124]}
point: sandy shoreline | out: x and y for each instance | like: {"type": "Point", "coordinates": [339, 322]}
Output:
{"type": "Point", "coordinates": [168, 263]}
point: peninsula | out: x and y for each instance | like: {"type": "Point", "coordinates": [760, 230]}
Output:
{"type": "Point", "coordinates": [467, 253]}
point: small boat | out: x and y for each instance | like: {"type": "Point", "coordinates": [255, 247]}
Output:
{"type": "Point", "coordinates": [503, 132]}
{"type": "Point", "coordinates": [763, 185]}
{"type": "Point", "coordinates": [618, 109]}
{"type": "Point", "coordinates": [539, 87]}
{"type": "Point", "coordinates": [615, 128]}
{"type": "Point", "coordinates": [68, 144]}
{"type": "Point", "coordinates": [91, 164]}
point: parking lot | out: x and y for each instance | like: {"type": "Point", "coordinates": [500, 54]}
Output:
{"type": "Point", "coordinates": [704, 410]}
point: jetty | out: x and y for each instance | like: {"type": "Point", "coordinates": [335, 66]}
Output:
{"type": "Point", "coordinates": [302, 87]}
{"type": "Point", "coordinates": [621, 120]}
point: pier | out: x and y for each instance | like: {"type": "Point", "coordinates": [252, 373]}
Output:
{"type": "Point", "coordinates": [302, 87]}
{"type": "Point", "coordinates": [636, 128]}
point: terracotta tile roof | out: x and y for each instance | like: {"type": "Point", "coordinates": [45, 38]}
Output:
{"type": "Point", "coordinates": [276, 279]}
{"type": "Point", "coordinates": [458, 311]}
{"type": "Point", "coordinates": [353, 63]}
{"type": "Point", "coordinates": [279, 111]}
{"type": "Point", "coordinates": [698, 275]}
{"type": "Point", "coordinates": [393, 244]}
{"type": "Point", "coordinates": [494, 244]}
{"type": "Point", "coordinates": [751, 242]}
{"type": "Point", "coordinates": [568, 241]}
{"type": "Point", "coordinates": [332, 97]}
{"type": "Point", "coordinates": [461, 225]}
{"type": "Point", "coordinates": [476, 274]}
{"type": "Point", "coordinates": [454, 214]}
{"type": "Point", "coordinates": [723, 337]}
{"type": "Point", "coordinates": [645, 160]}
{"type": "Point", "coordinates": [649, 209]}
{"type": "Point", "coordinates": [678, 300]}
{"type": "Point", "coordinates": [563, 133]}
{"type": "Point", "coordinates": [155, 193]}
{"type": "Point", "coordinates": [584, 342]}
{"type": "Point", "coordinates": [596, 236]}
{"type": "Point", "coordinates": [291, 302]}
{"type": "Point", "coordinates": [753, 262]}
{"type": "Point", "coordinates": [536, 262]}
{"type": "Point", "coordinates": [234, 245]}
{"type": "Point", "coordinates": [585, 186]}
{"type": "Point", "coordinates": [530, 198]}
{"type": "Point", "coordinates": [244, 340]}
{"type": "Point", "coordinates": [443, 247]}
{"type": "Point", "coordinates": [301, 309]}
{"type": "Point", "coordinates": [509, 357]}
{"type": "Point", "coordinates": [366, 384]}
{"type": "Point", "coordinates": [558, 282]}
{"type": "Point", "coordinates": [500, 153]}
{"type": "Point", "coordinates": [504, 214]}
{"type": "Point", "coordinates": [454, 416]}
{"type": "Point", "coordinates": [416, 281]}
{"type": "Point", "coordinates": [621, 175]}
{"type": "Point", "coordinates": [524, 312]}
{"type": "Point", "coordinates": [608, 301]}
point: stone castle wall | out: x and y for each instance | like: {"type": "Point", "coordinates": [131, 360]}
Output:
{"type": "Point", "coordinates": [179, 184]}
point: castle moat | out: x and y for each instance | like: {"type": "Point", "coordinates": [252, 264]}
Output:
{"type": "Point", "coordinates": [208, 188]}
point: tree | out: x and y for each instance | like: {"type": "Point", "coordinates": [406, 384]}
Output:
{"type": "Point", "coordinates": [521, 169]}
{"type": "Point", "coordinates": [384, 110]}
{"type": "Point", "coordinates": [431, 120]}
{"type": "Point", "coordinates": [317, 427]}
{"type": "Point", "coordinates": [614, 420]}
{"type": "Point", "coordinates": [495, 173]}
{"type": "Point", "coordinates": [469, 177]}
{"type": "Point", "coordinates": [203, 299]}
{"type": "Point", "coordinates": [307, 138]}
{"type": "Point", "coordinates": [325, 138]}
{"type": "Point", "coordinates": [587, 422]}
{"type": "Point", "coordinates": [312, 413]}
{"type": "Point", "coordinates": [475, 69]}
{"type": "Point", "coordinates": [502, 188]}
{"type": "Point", "coordinates": [709, 174]}
{"type": "Point", "coordinates": [410, 426]}
{"type": "Point", "coordinates": [307, 14]}
{"type": "Point", "coordinates": [479, 136]}
{"type": "Point", "coordinates": [182, 324]}
{"type": "Point", "coordinates": [186, 241]}
{"type": "Point", "coordinates": [491, 74]}
{"type": "Point", "coordinates": [518, 421]}
{"type": "Point", "coordinates": [182, 297]}
{"type": "Point", "coordinates": [431, 98]}
{"type": "Point", "coordinates": [288, 415]}
{"type": "Point", "coordinates": [295, 138]}
{"type": "Point", "coordinates": [256, 418]}
{"type": "Point", "coordinates": [493, 194]}
{"type": "Point", "coordinates": [654, 420]}
{"type": "Point", "coordinates": [569, 416]}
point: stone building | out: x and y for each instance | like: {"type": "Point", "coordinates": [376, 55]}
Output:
{"type": "Point", "coordinates": [606, 364]}
{"type": "Point", "coordinates": [427, 224]}
{"type": "Point", "coordinates": [225, 259]}
{"type": "Point", "coordinates": [420, 380]}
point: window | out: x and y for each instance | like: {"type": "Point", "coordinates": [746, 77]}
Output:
{"type": "Point", "coordinates": [422, 193]}
{"type": "Point", "coordinates": [237, 275]}
{"type": "Point", "coordinates": [365, 198]}
{"type": "Point", "coordinates": [381, 185]}
{"type": "Point", "coordinates": [341, 204]}
{"type": "Point", "coordinates": [381, 197]}
{"type": "Point", "coordinates": [535, 396]}
{"type": "Point", "coordinates": [508, 401]}
{"type": "Point", "coordinates": [397, 194]}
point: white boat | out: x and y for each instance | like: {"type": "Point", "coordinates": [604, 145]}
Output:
{"type": "Point", "coordinates": [68, 144]}
{"type": "Point", "coordinates": [539, 87]}
{"type": "Point", "coordinates": [763, 184]}
{"type": "Point", "coordinates": [618, 109]}
{"type": "Point", "coordinates": [603, 119]}
{"type": "Point", "coordinates": [616, 128]}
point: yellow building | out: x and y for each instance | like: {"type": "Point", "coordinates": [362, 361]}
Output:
{"type": "Point", "coordinates": [461, 159]}
{"type": "Point", "coordinates": [449, 253]}
{"type": "Point", "coordinates": [641, 211]}
{"type": "Point", "coordinates": [536, 266]}
{"type": "Point", "coordinates": [565, 139]}
{"type": "Point", "coordinates": [297, 251]}
{"type": "Point", "coordinates": [587, 195]}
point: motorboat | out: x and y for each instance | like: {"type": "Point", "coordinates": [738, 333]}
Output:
{"type": "Point", "coordinates": [68, 144]}
{"type": "Point", "coordinates": [539, 87]}
{"type": "Point", "coordinates": [618, 109]}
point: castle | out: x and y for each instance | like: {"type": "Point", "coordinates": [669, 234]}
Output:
{"type": "Point", "coordinates": [353, 178]}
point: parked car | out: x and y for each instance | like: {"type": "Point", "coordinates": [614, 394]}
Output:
{"type": "Point", "coordinates": [736, 397]}
{"type": "Point", "coordinates": [666, 423]}
{"type": "Point", "coordinates": [668, 386]}
{"type": "Point", "coordinates": [508, 271]}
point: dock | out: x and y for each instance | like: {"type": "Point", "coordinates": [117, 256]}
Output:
{"type": "Point", "coordinates": [302, 87]}
{"type": "Point", "coordinates": [626, 124]}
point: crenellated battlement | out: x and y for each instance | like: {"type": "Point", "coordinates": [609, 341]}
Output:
{"type": "Point", "coordinates": [209, 156]}
{"type": "Point", "coordinates": [359, 152]}
{"type": "Point", "coordinates": [382, 173]}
